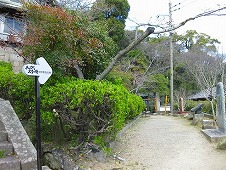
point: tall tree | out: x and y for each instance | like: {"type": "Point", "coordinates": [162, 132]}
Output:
{"type": "Point", "coordinates": [193, 38]}
{"type": "Point", "coordinates": [115, 13]}
{"type": "Point", "coordinates": [67, 40]}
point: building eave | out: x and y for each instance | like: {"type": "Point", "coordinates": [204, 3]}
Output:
{"type": "Point", "coordinates": [10, 4]}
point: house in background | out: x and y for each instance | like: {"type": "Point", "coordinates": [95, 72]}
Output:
{"type": "Point", "coordinates": [11, 24]}
{"type": "Point", "coordinates": [10, 18]}
{"type": "Point", "coordinates": [204, 94]}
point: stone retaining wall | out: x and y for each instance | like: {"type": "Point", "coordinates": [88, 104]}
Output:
{"type": "Point", "coordinates": [9, 55]}
{"type": "Point", "coordinates": [22, 145]}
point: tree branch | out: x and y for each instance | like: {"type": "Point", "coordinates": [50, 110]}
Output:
{"type": "Point", "coordinates": [149, 31]}
{"type": "Point", "coordinates": [190, 19]}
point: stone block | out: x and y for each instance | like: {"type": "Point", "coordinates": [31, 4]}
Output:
{"type": "Point", "coordinates": [2, 127]}
{"type": "Point", "coordinates": [22, 145]}
{"type": "Point", "coordinates": [16, 63]}
{"type": "Point", "coordinates": [7, 57]}
{"type": "Point", "coordinates": [6, 147]}
{"type": "Point", "coordinates": [197, 118]}
{"type": "Point", "coordinates": [9, 163]}
{"type": "Point", "coordinates": [15, 57]}
{"type": "Point", "coordinates": [3, 136]}
{"type": "Point", "coordinates": [214, 135]}
{"type": "Point", "coordinates": [208, 124]}
{"type": "Point", "coordinates": [2, 57]}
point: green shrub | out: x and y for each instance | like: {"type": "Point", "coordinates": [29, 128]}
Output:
{"type": "Point", "coordinates": [206, 106]}
{"type": "Point", "coordinates": [71, 109]}
{"type": "Point", "coordinates": [18, 88]}
{"type": "Point", "coordinates": [119, 77]}
{"type": "Point", "coordinates": [91, 108]}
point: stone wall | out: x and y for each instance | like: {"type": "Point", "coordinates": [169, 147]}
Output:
{"type": "Point", "coordinates": [9, 55]}
{"type": "Point", "coordinates": [22, 145]}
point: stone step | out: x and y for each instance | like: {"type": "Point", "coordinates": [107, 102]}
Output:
{"type": "Point", "coordinates": [3, 136]}
{"type": "Point", "coordinates": [208, 124]}
{"type": "Point", "coordinates": [6, 147]}
{"type": "Point", "coordinates": [9, 163]}
{"type": "Point", "coordinates": [2, 127]}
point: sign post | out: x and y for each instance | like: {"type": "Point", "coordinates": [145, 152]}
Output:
{"type": "Point", "coordinates": [42, 71]}
{"type": "Point", "coordinates": [38, 124]}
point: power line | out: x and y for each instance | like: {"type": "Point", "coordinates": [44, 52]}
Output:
{"type": "Point", "coordinates": [179, 8]}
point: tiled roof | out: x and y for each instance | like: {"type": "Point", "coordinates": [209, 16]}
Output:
{"type": "Point", "coordinates": [203, 94]}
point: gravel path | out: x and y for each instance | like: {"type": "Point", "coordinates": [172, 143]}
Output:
{"type": "Point", "coordinates": [161, 143]}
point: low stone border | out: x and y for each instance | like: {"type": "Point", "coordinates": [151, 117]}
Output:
{"type": "Point", "coordinates": [23, 147]}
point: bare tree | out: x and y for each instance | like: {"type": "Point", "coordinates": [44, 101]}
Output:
{"type": "Point", "coordinates": [158, 62]}
{"type": "Point", "coordinates": [149, 31]}
{"type": "Point", "coordinates": [206, 69]}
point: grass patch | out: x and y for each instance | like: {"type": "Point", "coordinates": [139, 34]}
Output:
{"type": "Point", "coordinates": [2, 154]}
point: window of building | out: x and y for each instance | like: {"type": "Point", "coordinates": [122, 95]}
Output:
{"type": "Point", "coordinates": [13, 25]}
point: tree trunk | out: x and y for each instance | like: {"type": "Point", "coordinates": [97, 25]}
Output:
{"type": "Point", "coordinates": [79, 71]}
{"type": "Point", "coordinates": [149, 31]}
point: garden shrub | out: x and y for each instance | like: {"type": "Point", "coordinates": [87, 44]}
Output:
{"type": "Point", "coordinates": [18, 89]}
{"type": "Point", "coordinates": [91, 108]}
{"type": "Point", "coordinates": [71, 109]}
{"type": "Point", "coordinates": [206, 106]}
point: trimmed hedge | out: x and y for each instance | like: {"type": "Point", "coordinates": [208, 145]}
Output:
{"type": "Point", "coordinates": [71, 109]}
{"type": "Point", "coordinates": [90, 107]}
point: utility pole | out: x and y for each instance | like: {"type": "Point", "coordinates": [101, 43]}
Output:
{"type": "Point", "coordinates": [136, 33]}
{"type": "Point", "coordinates": [171, 56]}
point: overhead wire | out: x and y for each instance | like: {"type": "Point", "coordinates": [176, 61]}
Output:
{"type": "Point", "coordinates": [181, 3]}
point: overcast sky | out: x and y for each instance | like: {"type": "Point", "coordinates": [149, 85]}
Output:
{"type": "Point", "coordinates": [146, 11]}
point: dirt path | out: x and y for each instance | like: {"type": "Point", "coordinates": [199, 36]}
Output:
{"type": "Point", "coordinates": [161, 143]}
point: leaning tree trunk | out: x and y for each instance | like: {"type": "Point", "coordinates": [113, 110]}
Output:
{"type": "Point", "coordinates": [79, 71]}
{"type": "Point", "coordinates": [149, 31]}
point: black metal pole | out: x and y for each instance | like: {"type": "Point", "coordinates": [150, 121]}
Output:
{"type": "Point", "coordinates": [38, 123]}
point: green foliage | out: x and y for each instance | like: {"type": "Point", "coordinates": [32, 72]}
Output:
{"type": "Point", "coordinates": [158, 39]}
{"type": "Point", "coordinates": [71, 110]}
{"type": "Point", "coordinates": [17, 88]}
{"type": "Point", "coordinates": [2, 154]}
{"type": "Point", "coordinates": [184, 79]}
{"type": "Point", "coordinates": [67, 39]}
{"type": "Point", "coordinates": [160, 84]}
{"type": "Point", "coordinates": [189, 104]}
{"type": "Point", "coordinates": [96, 107]}
{"type": "Point", "coordinates": [120, 77]}
{"type": "Point", "coordinates": [114, 13]}
{"type": "Point", "coordinates": [193, 38]}
{"type": "Point", "coordinates": [98, 140]}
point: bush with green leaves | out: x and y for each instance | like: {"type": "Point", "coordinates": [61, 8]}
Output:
{"type": "Point", "coordinates": [18, 89]}
{"type": "Point", "coordinates": [206, 106]}
{"type": "Point", "coordinates": [90, 108]}
{"type": "Point", "coordinates": [71, 109]}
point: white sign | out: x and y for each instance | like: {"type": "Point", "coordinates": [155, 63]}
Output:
{"type": "Point", "coordinates": [41, 69]}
